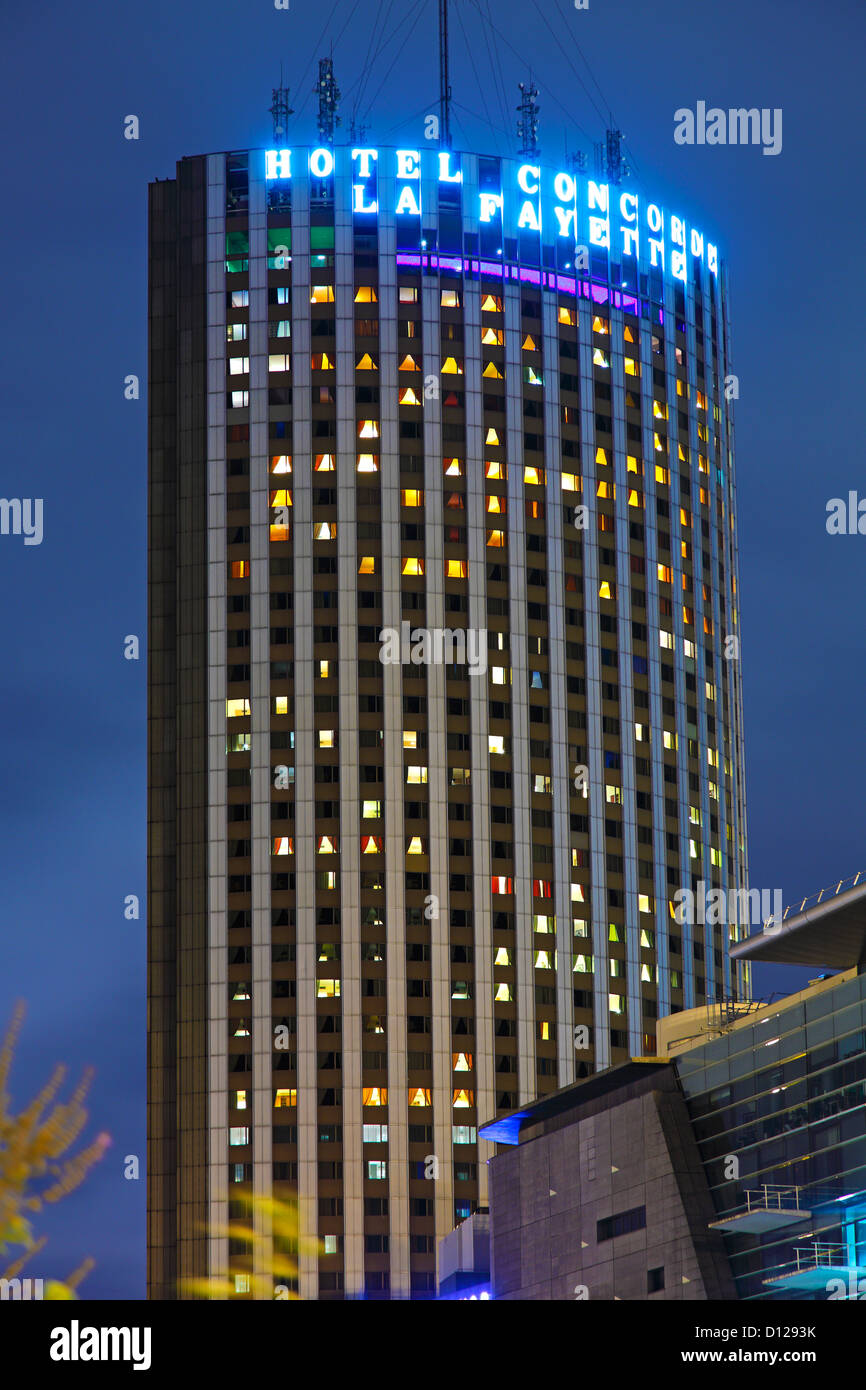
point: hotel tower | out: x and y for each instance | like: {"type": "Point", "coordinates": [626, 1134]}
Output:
{"type": "Point", "coordinates": [444, 680]}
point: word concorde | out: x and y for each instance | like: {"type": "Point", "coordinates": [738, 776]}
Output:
{"type": "Point", "coordinates": [529, 198]}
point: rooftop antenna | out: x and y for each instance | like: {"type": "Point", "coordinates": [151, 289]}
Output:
{"type": "Point", "coordinates": [527, 120]}
{"type": "Point", "coordinates": [280, 109]}
{"type": "Point", "coordinates": [610, 164]}
{"type": "Point", "coordinates": [357, 132]}
{"type": "Point", "coordinates": [444, 85]}
{"type": "Point", "coordinates": [329, 99]}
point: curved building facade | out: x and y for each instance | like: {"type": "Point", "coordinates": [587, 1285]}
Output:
{"type": "Point", "coordinates": [444, 677]}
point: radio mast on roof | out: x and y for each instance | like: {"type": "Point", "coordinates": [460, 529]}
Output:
{"type": "Point", "coordinates": [280, 109]}
{"type": "Point", "coordinates": [444, 85]}
{"type": "Point", "coordinates": [527, 120]}
{"type": "Point", "coordinates": [329, 99]}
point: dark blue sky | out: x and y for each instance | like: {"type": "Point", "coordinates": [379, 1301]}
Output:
{"type": "Point", "coordinates": [198, 76]}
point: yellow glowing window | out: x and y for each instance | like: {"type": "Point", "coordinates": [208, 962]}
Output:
{"type": "Point", "coordinates": [491, 370]}
{"type": "Point", "coordinates": [503, 993]}
{"type": "Point", "coordinates": [366, 363]}
{"type": "Point", "coordinates": [371, 844]}
{"type": "Point", "coordinates": [327, 845]}
{"type": "Point", "coordinates": [536, 476]}
{"type": "Point", "coordinates": [456, 501]}
{"type": "Point", "coordinates": [461, 1061]}
{"type": "Point", "coordinates": [413, 564]}
{"type": "Point", "coordinates": [281, 497]}
{"type": "Point", "coordinates": [451, 367]}
{"type": "Point", "coordinates": [613, 794]}
{"type": "Point", "coordinates": [660, 411]}
{"type": "Point", "coordinates": [567, 315]}
{"type": "Point", "coordinates": [281, 463]}
{"type": "Point", "coordinates": [367, 565]}
{"type": "Point", "coordinates": [683, 454]}
{"type": "Point", "coordinates": [582, 965]}
{"type": "Point", "coordinates": [491, 304]}
{"type": "Point", "coordinates": [493, 469]}
{"type": "Point", "coordinates": [663, 475]}
{"type": "Point", "coordinates": [455, 569]}
{"type": "Point", "coordinates": [412, 497]}
{"type": "Point", "coordinates": [375, 1095]}
{"type": "Point", "coordinates": [605, 489]}
{"type": "Point", "coordinates": [409, 396]}
{"type": "Point", "coordinates": [235, 708]}
{"type": "Point", "coordinates": [450, 299]}
{"type": "Point", "coordinates": [368, 463]}
{"type": "Point", "coordinates": [463, 1100]}
{"type": "Point", "coordinates": [415, 845]}
{"type": "Point", "coordinates": [371, 810]}
{"type": "Point", "coordinates": [453, 468]}
{"type": "Point", "coordinates": [324, 463]}
{"type": "Point", "coordinates": [281, 704]}
{"type": "Point", "coordinates": [665, 573]}
{"type": "Point", "coordinates": [496, 539]}
{"type": "Point", "coordinates": [492, 436]}
{"type": "Point", "coordinates": [571, 482]}
{"type": "Point", "coordinates": [240, 569]}
{"type": "Point", "coordinates": [529, 344]}
{"type": "Point", "coordinates": [279, 362]}
{"type": "Point", "coordinates": [496, 503]}
{"type": "Point", "coordinates": [708, 626]}
{"type": "Point", "coordinates": [632, 367]}
{"type": "Point", "coordinates": [604, 589]}
{"type": "Point", "coordinates": [368, 429]}
{"type": "Point", "coordinates": [366, 295]}
{"type": "Point", "coordinates": [282, 845]}
{"type": "Point", "coordinates": [410, 738]}
{"type": "Point", "coordinates": [322, 294]}
{"type": "Point", "coordinates": [627, 334]}
{"type": "Point", "coordinates": [408, 364]}
{"type": "Point", "coordinates": [416, 776]}
{"type": "Point", "coordinates": [601, 457]}
{"type": "Point", "coordinates": [327, 738]}
{"type": "Point", "coordinates": [635, 498]}
{"type": "Point", "coordinates": [460, 776]}
{"type": "Point", "coordinates": [657, 444]}
{"type": "Point", "coordinates": [419, 1096]}
{"type": "Point", "coordinates": [493, 337]}
{"type": "Point", "coordinates": [634, 465]}
{"type": "Point", "coordinates": [543, 1030]}
{"type": "Point", "coordinates": [688, 616]}
{"type": "Point", "coordinates": [599, 359]}
{"type": "Point", "coordinates": [285, 1096]}
{"type": "Point", "coordinates": [279, 533]}
{"type": "Point", "coordinates": [496, 743]}
{"type": "Point", "coordinates": [325, 531]}
{"type": "Point", "coordinates": [321, 362]}
{"type": "Point", "coordinates": [600, 325]}
{"type": "Point", "coordinates": [577, 894]}
{"type": "Point", "coordinates": [502, 957]}
{"type": "Point", "coordinates": [544, 960]}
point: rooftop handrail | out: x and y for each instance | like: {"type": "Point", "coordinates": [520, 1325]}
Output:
{"type": "Point", "coordinates": [815, 898]}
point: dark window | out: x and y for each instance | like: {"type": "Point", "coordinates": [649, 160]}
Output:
{"type": "Point", "coordinates": [620, 1225]}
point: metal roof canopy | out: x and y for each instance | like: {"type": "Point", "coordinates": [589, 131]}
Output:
{"type": "Point", "coordinates": [831, 933]}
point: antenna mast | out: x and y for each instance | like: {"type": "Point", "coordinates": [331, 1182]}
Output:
{"type": "Point", "coordinates": [329, 98]}
{"type": "Point", "coordinates": [527, 119]}
{"type": "Point", "coordinates": [444, 85]}
{"type": "Point", "coordinates": [280, 109]}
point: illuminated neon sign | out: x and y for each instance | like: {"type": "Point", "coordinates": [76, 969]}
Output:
{"type": "Point", "coordinates": [532, 200]}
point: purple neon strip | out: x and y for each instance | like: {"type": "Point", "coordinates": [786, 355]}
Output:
{"type": "Point", "coordinates": [492, 268]}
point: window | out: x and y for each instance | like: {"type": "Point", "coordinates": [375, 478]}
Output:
{"type": "Point", "coordinates": [655, 1279]}
{"type": "Point", "coordinates": [377, 1169]}
{"type": "Point", "coordinates": [622, 1224]}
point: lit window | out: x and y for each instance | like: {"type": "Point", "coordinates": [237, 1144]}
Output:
{"type": "Point", "coordinates": [367, 565]}
{"type": "Point", "coordinates": [604, 589]}
{"type": "Point", "coordinates": [371, 844]}
{"type": "Point", "coordinates": [410, 738]}
{"type": "Point", "coordinates": [453, 468]}
{"type": "Point", "coordinates": [415, 776]}
{"type": "Point", "coordinates": [502, 957]}
{"type": "Point", "coordinates": [408, 364]}
{"type": "Point", "coordinates": [600, 325]}
{"type": "Point", "coordinates": [327, 738]}
{"type": "Point", "coordinates": [368, 429]}
{"type": "Point", "coordinates": [238, 366]}
{"type": "Point", "coordinates": [419, 1096]}
{"type": "Point", "coordinates": [503, 993]}
{"type": "Point", "coordinates": [413, 565]}
{"type": "Point", "coordinates": [665, 574]}
{"type": "Point", "coordinates": [408, 294]}
{"type": "Point", "coordinates": [536, 476]}
{"type": "Point", "coordinates": [409, 396]}
{"type": "Point", "coordinates": [327, 989]}
{"type": "Point", "coordinates": [450, 299]}
{"type": "Point", "coordinates": [324, 463]}
{"type": "Point", "coordinates": [240, 1100]}
{"type": "Point", "coordinates": [375, 1134]}
{"type": "Point", "coordinates": [281, 704]}
{"type": "Point", "coordinates": [491, 370]}
{"type": "Point", "coordinates": [279, 362]}
{"type": "Point", "coordinates": [412, 497]}
{"type": "Point", "coordinates": [493, 469]}
{"type": "Point", "coordinates": [415, 846]}
{"type": "Point", "coordinates": [238, 1136]}
{"type": "Point", "coordinates": [455, 569]}
{"type": "Point", "coordinates": [375, 1095]}
{"type": "Point", "coordinates": [463, 1134]}
{"type": "Point", "coordinates": [327, 845]}
{"type": "Point", "coordinates": [463, 1100]}
{"type": "Point", "coordinates": [544, 960]}
{"type": "Point", "coordinates": [492, 436]}
{"type": "Point", "coordinates": [582, 965]}
{"type": "Point", "coordinates": [368, 463]}
{"type": "Point", "coordinates": [321, 362]}
{"type": "Point", "coordinates": [451, 367]}
{"type": "Point", "coordinates": [599, 358]}
{"type": "Point", "coordinates": [284, 1097]}
{"type": "Point", "coordinates": [491, 304]}
{"type": "Point", "coordinates": [493, 337]}
{"type": "Point", "coordinates": [632, 367]}
{"type": "Point", "coordinates": [234, 708]}
{"type": "Point", "coordinates": [366, 294]}
{"type": "Point", "coordinates": [366, 363]}
{"type": "Point", "coordinates": [377, 1169]}
{"type": "Point", "coordinates": [496, 743]}
{"type": "Point", "coordinates": [322, 294]}
{"type": "Point", "coordinates": [461, 1061]}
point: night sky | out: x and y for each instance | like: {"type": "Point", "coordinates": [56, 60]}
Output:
{"type": "Point", "coordinates": [199, 77]}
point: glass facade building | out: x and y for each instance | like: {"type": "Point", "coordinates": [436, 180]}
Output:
{"type": "Point", "coordinates": [778, 1109]}
{"type": "Point", "coordinates": [444, 693]}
